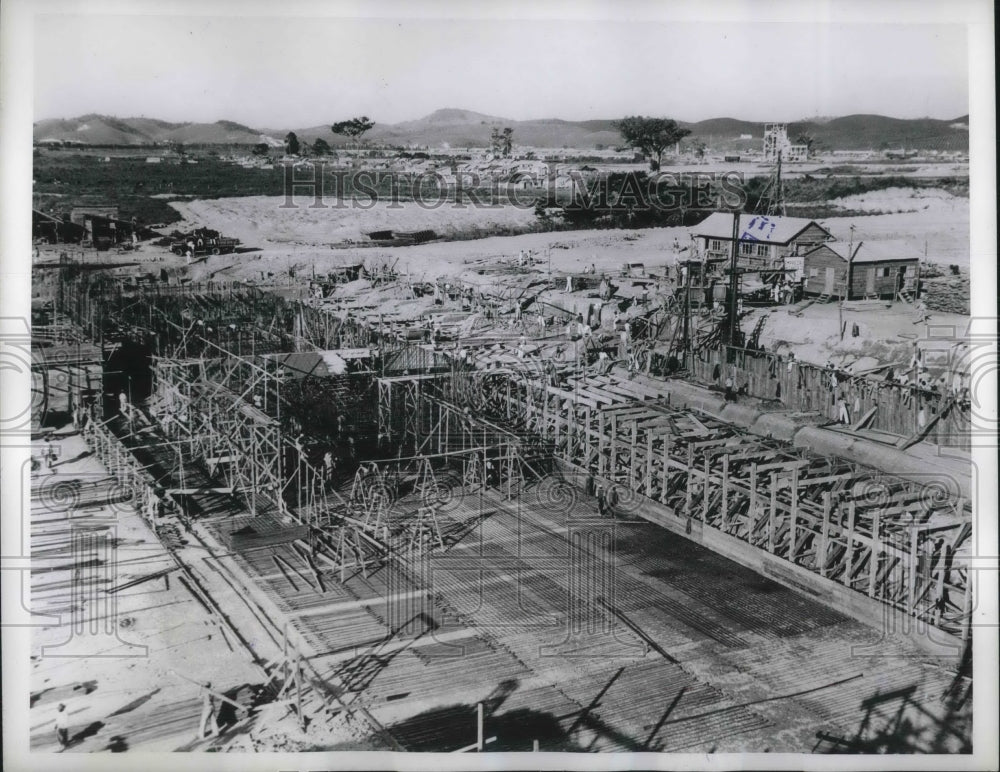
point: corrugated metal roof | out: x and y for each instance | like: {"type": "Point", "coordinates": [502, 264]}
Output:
{"type": "Point", "coordinates": [754, 227]}
{"type": "Point", "coordinates": [873, 251]}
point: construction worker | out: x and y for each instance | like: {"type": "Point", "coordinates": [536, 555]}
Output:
{"type": "Point", "coordinates": [209, 712]}
{"type": "Point", "coordinates": [611, 500]}
{"type": "Point", "coordinates": [730, 393]}
{"type": "Point", "coordinates": [62, 725]}
{"type": "Point", "coordinates": [842, 414]}
{"type": "Point", "coordinates": [48, 455]}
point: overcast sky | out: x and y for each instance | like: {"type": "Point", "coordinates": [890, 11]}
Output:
{"type": "Point", "coordinates": [299, 72]}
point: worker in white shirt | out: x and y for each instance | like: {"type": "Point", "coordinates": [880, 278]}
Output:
{"type": "Point", "coordinates": [209, 713]}
{"type": "Point", "coordinates": [62, 725]}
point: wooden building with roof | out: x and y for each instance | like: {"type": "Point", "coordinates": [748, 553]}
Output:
{"type": "Point", "coordinates": [865, 270]}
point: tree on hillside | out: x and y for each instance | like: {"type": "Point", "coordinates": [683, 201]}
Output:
{"type": "Point", "coordinates": [261, 149]}
{"type": "Point", "coordinates": [321, 147]}
{"type": "Point", "coordinates": [699, 150]}
{"type": "Point", "coordinates": [291, 143]}
{"type": "Point", "coordinates": [651, 136]}
{"type": "Point", "coordinates": [354, 128]}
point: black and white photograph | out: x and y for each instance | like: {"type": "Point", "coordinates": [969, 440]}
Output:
{"type": "Point", "coordinates": [562, 386]}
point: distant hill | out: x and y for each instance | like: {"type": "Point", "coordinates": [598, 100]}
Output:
{"type": "Point", "coordinates": [218, 133]}
{"type": "Point", "coordinates": [851, 132]}
{"type": "Point", "coordinates": [465, 128]}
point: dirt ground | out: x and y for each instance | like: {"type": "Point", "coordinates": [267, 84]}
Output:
{"type": "Point", "coordinates": [299, 239]}
{"type": "Point", "coordinates": [931, 219]}
{"type": "Point", "coordinates": [266, 222]}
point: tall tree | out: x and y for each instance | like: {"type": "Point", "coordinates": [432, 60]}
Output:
{"type": "Point", "coordinates": [651, 136]}
{"type": "Point", "coordinates": [321, 147]}
{"type": "Point", "coordinates": [354, 128]}
{"type": "Point", "coordinates": [291, 143]}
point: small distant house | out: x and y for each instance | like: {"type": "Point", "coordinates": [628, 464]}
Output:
{"type": "Point", "coordinates": [764, 241]}
{"type": "Point", "coordinates": [876, 269]}
{"type": "Point", "coordinates": [80, 213]}
{"type": "Point", "coordinates": [153, 159]}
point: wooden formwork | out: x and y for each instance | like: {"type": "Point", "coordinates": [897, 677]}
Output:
{"type": "Point", "coordinates": [870, 401]}
{"type": "Point", "coordinates": [183, 319]}
{"type": "Point", "coordinates": [897, 542]}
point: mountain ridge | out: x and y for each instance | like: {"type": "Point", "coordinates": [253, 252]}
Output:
{"type": "Point", "coordinates": [457, 127]}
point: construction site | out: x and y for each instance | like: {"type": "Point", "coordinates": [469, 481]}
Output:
{"type": "Point", "coordinates": [514, 508]}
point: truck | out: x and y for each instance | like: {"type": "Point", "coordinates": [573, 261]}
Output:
{"type": "Point", "coordinates": [204, 241]}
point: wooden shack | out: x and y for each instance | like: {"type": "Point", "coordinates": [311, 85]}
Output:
{"type": "Point", "coordinates": [877, 269]}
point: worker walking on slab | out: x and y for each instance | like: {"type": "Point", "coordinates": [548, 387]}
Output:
{"type": "Point", "coordinates": [62, 725]}
{"type": "Point", "coordinates": [209, 712]}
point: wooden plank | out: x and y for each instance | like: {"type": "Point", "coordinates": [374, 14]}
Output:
{"type": "Point", "coordinates": [825, 534]}
{"type": "Point", "coordinates": [920, 434]}
{"type": "Point", "coordinates": [875, 552]}
{"type": "Point", "coordinates": [865, 419]}
{"type": "Point", "coordinates": [772, 512]}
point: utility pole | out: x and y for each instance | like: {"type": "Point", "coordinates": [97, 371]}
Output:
{"type": "Point", "coordinates": [780, 189]}
{"type": "Point", "coordinates": [687, 313]}
{"type": "Point", "coordinates": [734, 324]}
